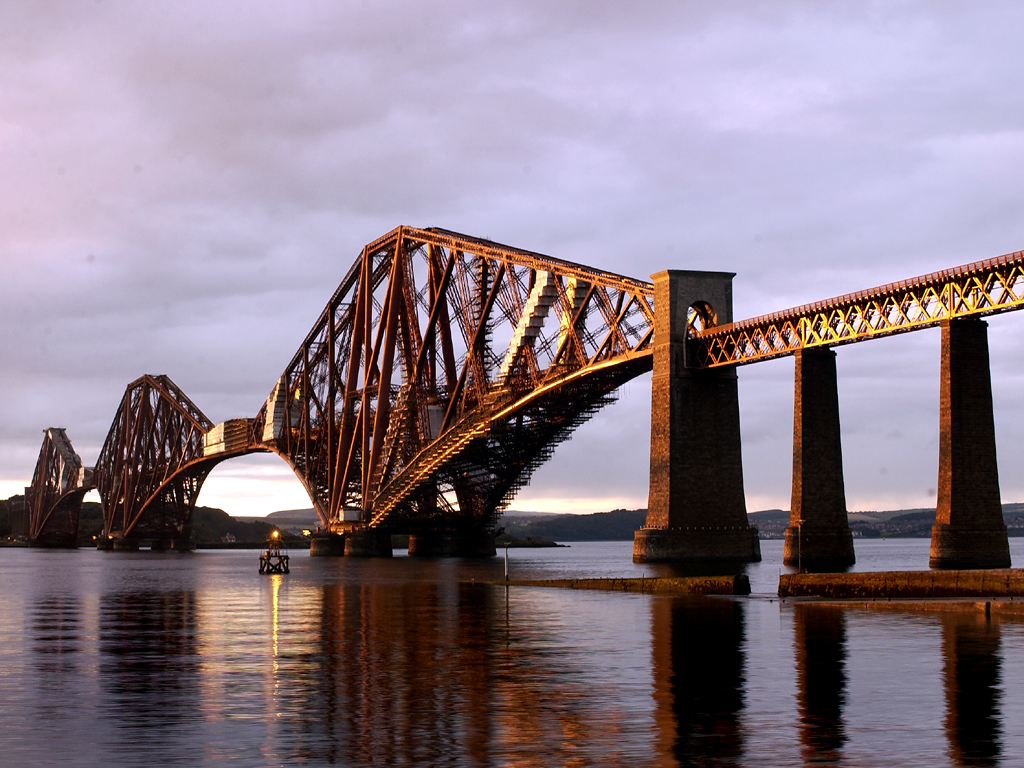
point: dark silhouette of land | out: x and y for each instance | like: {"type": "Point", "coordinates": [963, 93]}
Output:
{"type": "Point", "coordinates": [214, 527]}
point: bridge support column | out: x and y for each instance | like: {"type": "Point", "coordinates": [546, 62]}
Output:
{"type": "Point", "coordinates": [696, 509]}
{"type": "Point", "coordinates": [367, 542]}
{"type": "Point", "coordinates": [818, 537]}
{"type": "Point", "coordinates": [969, 531]}
{"type": "Point", "coordinates": [324, 544]}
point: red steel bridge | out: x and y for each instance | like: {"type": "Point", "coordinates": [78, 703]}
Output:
{"type": "Point", "coordinates": [443, 370]}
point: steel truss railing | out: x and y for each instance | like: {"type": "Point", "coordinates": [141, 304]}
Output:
{"type": "Point", "coordinates": [418, 362]}
{"type": "Point", "coordinates": [973, 290]}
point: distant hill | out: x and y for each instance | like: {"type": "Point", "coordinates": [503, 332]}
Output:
{"type": "Point", "coordinates": [896, 523]}
{"type": "Point", "coordinates": [768, 515]}
{"type": "Point", "coordinates": [617, 525]}
{"type": "Point", "coordinates": [210, 526]}
{"type": "Point", "coordinates": [304, 517]}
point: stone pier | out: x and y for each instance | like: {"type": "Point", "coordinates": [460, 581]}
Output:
{"type": "Point", "coordinates": [367, 542]}
{"type": "Point", "coordinates": [969, 531]}
{"type": "Point", "coordinates": [696, 509]}
{"type": "Point", "coordinates": [354, 542]}
{"type": "Point", "coordinates": [818, 537]}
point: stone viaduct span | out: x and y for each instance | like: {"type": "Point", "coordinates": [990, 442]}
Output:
{"type": "Point", "coordinates": [446, 368]}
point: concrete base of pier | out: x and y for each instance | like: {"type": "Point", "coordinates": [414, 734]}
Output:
{"type": "Point", "coordinates": [819, 549]}
{"type": "Point", "coordinates": [954, 547]}
{"type": "Point", "coordinates": [361, 542]}
{"type": "Point", "coordinates": [367, 543]}
{"type": "Point", "coordinates": [474, 544]}
{"type": "Point", "coordinates": [172, 545]}
{"type": "Point", "coordinates": [124, 545]}
{"type": "Point", "coordinates": [327, 545]}
{"type": "Point", "coordinates": [656, 545]}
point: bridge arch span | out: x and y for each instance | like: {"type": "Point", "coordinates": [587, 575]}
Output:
{"type": "Point", "coordinates": [443, 370]}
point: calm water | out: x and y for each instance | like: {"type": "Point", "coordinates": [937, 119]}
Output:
{"type": "Point", "coordinates": [153, 658]}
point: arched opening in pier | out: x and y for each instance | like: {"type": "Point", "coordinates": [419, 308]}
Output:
{"type": "Point", "coordinates": [699, 316]}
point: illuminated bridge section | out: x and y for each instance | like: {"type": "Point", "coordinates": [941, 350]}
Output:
{"type": "Point", "coordinates": [443, 371]}
{"type": "Point", "coordinates": [973, 290]}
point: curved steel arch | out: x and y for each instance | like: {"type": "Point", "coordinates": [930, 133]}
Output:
{"type": "Point", "coordinates": [156, 434]}
{"type": "Point", "coordinates": [439, 376]}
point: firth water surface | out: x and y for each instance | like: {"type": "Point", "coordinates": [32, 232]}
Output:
{"type": "Point", "coordinates": [195, 659]}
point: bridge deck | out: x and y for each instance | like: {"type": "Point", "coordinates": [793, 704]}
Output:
{"type": "Point", "coordinates": [972, 290]}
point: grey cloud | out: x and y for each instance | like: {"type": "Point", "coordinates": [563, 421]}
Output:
{"type": "Point", "coordinates": [223, 163]}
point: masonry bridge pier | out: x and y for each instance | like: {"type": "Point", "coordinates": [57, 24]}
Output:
{"type": "Point", "coordinates": [446, 368]}
{"type": "Point", "coordinates": [969, 531]}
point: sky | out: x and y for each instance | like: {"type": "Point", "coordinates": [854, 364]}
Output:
{"type": "Point", "coordinates": [185, 184]}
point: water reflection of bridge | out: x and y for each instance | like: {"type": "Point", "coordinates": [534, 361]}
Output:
{"type": "Point", "coordinates": [360, 668]}
{"type": "Point", "coordinates": [446, 368]}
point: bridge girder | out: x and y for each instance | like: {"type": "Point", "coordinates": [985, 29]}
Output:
{"type": "Point", "coordinates": [476, 346]}
{"type": "Point", "coordinates": [972, 290]}
{"type": "Point", "coordinates": [149, 471]}
{"type": "Point", "coordinates": [54, 500]}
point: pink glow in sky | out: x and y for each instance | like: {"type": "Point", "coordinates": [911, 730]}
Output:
{"type": "Point", "coordinates": [184, 185]}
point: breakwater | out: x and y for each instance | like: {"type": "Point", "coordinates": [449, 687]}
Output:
{"type": "Point", "coordinates": [692, 585]}
{"type": "Point", "coordinates": [1001, 582]}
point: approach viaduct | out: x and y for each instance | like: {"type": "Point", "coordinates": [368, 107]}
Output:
{"type": "Point", "coordinates": [446, 368]}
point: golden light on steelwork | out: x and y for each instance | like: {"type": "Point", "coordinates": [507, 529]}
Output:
{"type": "Point", "coordinates": [546, 343]}
{"type": "Point", "coordinates": [973, 290]}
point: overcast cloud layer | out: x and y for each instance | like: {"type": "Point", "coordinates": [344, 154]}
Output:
{"type": "Point", "coordinates": [186, 183]}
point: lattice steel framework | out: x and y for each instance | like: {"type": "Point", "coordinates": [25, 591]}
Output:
{"type": "Point", "coordinates": [981, 288]}
{"type": "Point", "coordinates": [444, 369]}
{"type": "Point", "coordinates": [147, 474]}
{"type": "Point", "coordinates": [54, 499]}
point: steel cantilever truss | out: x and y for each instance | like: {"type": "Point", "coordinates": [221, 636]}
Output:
{"type": "Point", "coordinates": [973, 290]}
{"type": "Point", "coordinates": [444, 369]}
{"type": "Point", "coordinates": [54, 499]}
{"type": "Point", "coordinates": [144, 477]}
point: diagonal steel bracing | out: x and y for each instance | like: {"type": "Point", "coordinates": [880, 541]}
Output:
{"type": "Point", "coordinates": [973, 290]}
{"type": "Point", "coordinates": [54, 499]}
{"type": "Point", "coordinates": [144, 473]}
{"type": "Point", "coordinates": [442, 372]}
{"type": "Point", "coordinates": [444, 369]}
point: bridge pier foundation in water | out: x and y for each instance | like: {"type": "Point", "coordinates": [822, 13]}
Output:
{"type": "Point", "coordinates": [356, 542]}
{"type": "Point", "coordinates": [696, 510]}
{"type": "Point", "coordinates": [969, 531]}
{"type": "Point", "coordinates": [818, 537]}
